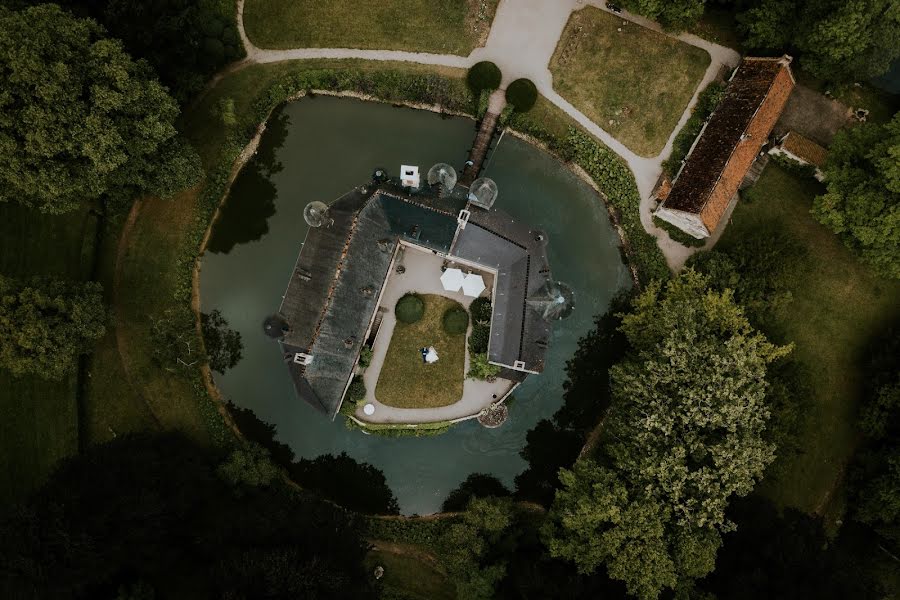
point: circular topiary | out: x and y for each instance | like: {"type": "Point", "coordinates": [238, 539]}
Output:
{"type": "Point", "coordinates": [456, 320]}
{"type": "Point", "coordinates": [522, 94]}
{"type": "Point", "coordinates": [484, 76]}
{"type": "Point", "coordinates": [410, 308]}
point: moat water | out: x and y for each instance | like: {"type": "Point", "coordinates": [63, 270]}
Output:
{"type": "Point", "coordinates": [317, 149]}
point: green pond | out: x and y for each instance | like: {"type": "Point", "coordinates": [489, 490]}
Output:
{"type": "Point", "coordinates": [318, 148]}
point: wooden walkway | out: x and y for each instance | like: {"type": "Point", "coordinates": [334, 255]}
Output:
{"type": "Point", "coordinates": [479, 149]}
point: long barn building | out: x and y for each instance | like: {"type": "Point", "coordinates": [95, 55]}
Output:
{"type": "Point", "coordinates": [707, 183]}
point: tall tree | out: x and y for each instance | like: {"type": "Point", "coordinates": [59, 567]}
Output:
{"type": "Point", "coordinates": [150, 513]}
{"type": "Point", "coordinates": [683, 435]}
{"type": "Point", "coordinates": [837, 40]}
{"type": "Point", "coordinates": [79, 119]}
{"type": "Point", "coordinates": [672, 14]}
{"type": "Point", "coordinates": [46, 324]}
{"type": "Point", "coordinates": [862, 203]}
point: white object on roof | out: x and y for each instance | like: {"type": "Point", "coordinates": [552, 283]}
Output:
{"type": "Point", "coordinates": [409, 176]}
{"type": "Point", "coordinates": [473, 285]}
{"type": "Point", "coordinates": [369, 409]}
{"type": "Point", "coordinates": [431, 356]}
{"type": "Point", "coordinates": [452, 280]}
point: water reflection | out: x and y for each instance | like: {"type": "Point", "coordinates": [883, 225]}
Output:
{"type": "Point", "coordinates": [245, 215]}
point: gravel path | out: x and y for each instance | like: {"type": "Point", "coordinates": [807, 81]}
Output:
{"type": "Point", "coordinates": [522, 40]}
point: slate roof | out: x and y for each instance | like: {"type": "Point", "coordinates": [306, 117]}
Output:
{"type": "Point", "coordinates": [334, 289]}
{"type": "Point", "coordinates": [732, 138]}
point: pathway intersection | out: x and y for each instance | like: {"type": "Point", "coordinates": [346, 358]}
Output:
{"type": "Point", "coordinates": [521, 42]}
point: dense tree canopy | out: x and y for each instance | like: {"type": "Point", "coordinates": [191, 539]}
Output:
{"type": "Point", "coordinates": [79, 119]}
{"type": "Point", "coordinates": [837, 40]}
{"type": "Point", "coordinates": [684, 434]}
{"type": "Point", "coordinates": [150, 513]}
{"type": "Point", "coordinates": [862, 204]}
{"type": "Point", "coordinates": [46, 324]}
{"type": "Point", "coordinates": [672, 14]}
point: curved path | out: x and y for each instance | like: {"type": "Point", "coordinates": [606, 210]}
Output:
{"type": "Point", "coordinates": [522, 40]}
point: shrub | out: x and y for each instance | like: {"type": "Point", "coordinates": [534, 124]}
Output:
{"type": "Point", "coordinates": [522, 94]}
{"type": "Point", "coordinates": [410, 308]}
{"type": "Point", "coordinates": [480, 368]}
{"type": "Point", "coordinates": [456, 320]}
{"type": "Point", "coordinates": [484, 76]}
{"type": "Point", "coordinates": [357, 391]}
{"type": "Point", "coordinates": [478, 339]}
{"type": "Point", "coordinates": [677, 235]}
{"type": "Point", "coordinates": [481, 311]}
{"type": "Point", "coordinates": [365, 357]}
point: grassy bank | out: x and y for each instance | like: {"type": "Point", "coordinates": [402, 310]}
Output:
{"type": "Point", "coordinates": [39, 418]}
{"type": "Point", "coordinates": [838, 305]}
{"type": "Point", "coordinates": [414, 25]}
{"type": "Point", "coordinates": [632, 81]}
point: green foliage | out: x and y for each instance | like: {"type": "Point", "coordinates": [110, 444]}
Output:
{"type": "Point", "coordinates": [685, 432]}
{"type": "Point", "coordinates": [152, 509]}
{"type": "Point", "coordinates": [355, 485]}
{"type": "Point", "coordinates": [80, 120]}
{"type": "Point", "coordinates": [399, 431]}
{"type": "Point", "coordinates": [793, 166]}
{"type": "Point", "coordinates": [175, 345]}
{"type": "Point", "coordinates": [594, 520]}
{"type": "Point", "coordinates": [46, 324]}
{"type": "Point", "coordinates": [223, 345]}
{"type": "Point", "coordinates": [760, 268]}
{"type": "Point", "coordinates": [862, 203]}
{"type": "Point", "coordinates": [365, 357]}
{"type": "Point", "coordinates": [483, 75]}
{"type": "Point", "coordinates": [248, 466]}
{"type": "Point", "coordinates": [480, 368]}
{"type": "Point", "coordinates": [476, 485]}
{"type": "Point", "coordinates": [836, 40]}
{"type": "Point", "coordinates": [410, 308]}
{"type": "Point", "coordinates": [554, 444]}
{"type": "Point", "coordinates": [707, 102]}
{"type": "Point", "coordinates": [481, 310]}
{"type": "Point", "coordinates": [189, 41]}
{"type": "Point", "coordinates": [456, 320]}
{"type": "Point", "coordinates": [617, 183]}
{"type": "Point", "coordinates": [674, 15]}
{"type": "Point", "coordinates": [678, 235]}
{"type": "Point", "coordinates": [478, 339]}
{"type": "Point", "coordinates": [357, 391]}
{"type": "Point", "coordinates": [522, 94]}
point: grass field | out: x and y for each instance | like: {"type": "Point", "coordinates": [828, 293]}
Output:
{"type": "Point", "coordinates": [838, 305]}
{"type": "Point", "coordinates": [38, 418]}
{"type": "Point", "coordinates": [634, 83]}
{"type": "Point", "coordinates": [405, 380]}
{"type": "Point", "coordinates": [408, 577]}
{"type": "Point", "coordinates": [444, 27]}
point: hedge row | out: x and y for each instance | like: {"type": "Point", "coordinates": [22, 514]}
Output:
{"type": "Point", "coordinates": [707, 102]}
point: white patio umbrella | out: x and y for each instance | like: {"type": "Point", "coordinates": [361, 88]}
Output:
{"type": "Point", "coordinates": [452, 280]}
{"type": "Point", "coordinates": [473, 285]}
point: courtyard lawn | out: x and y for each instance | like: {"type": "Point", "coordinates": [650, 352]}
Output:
{"type": "Point", "coordinates": [455, 27]}
{"type": "Point", "coordinates": [405, 380]}
{"type": "Point", "coordinates": [838, 306]}
{"type": "Point", "coordinates": [39, 418]}
{"type": "Point", "coordinates": [634, 83]}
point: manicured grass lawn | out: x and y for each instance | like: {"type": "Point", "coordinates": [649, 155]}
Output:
{"type": "Point", "coordinates": [405, 380]}
{"type": "Point", "coordinates": [838, 306]}
{"type": "Point", "coordinates": [437, 26]}
{"type": "Point", "coordinates": [634, 83]}
{"type": "Point", "coordinates": [39, 418]}
{"type": "Point", "coordinates": [408, 577]}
